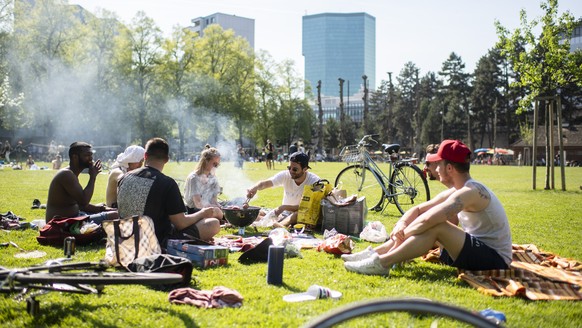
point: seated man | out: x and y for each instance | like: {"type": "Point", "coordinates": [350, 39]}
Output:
{"type": "Point", "coordinates": [293, 180]}
{"type": "Point", "coordinates": [482, 242]}
{"type": "Point", "coordinates": [57, 162]}
{"type": "Point", "coordinates": [147, 191]}
{"type": "Point", "coordinates": [66, 196]}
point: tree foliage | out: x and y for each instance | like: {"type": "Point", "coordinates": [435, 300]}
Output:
{"type": "Point", "coordinates": [543, 60]}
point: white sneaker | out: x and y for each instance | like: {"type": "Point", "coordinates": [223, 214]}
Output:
{"type": "Point", "coordinates": [369, 266]}
{"type": "Point", "coordinates": [366, 253]}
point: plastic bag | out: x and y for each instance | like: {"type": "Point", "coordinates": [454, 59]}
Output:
{"type": "Point", "coordinates": [267, 220]}
{"type": "Point", "coordinates": [374, 232]}
{"type": "Point", "coordinates": [338, 244]}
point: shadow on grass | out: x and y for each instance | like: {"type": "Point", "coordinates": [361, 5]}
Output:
{"type": "Point", "coordinates": [422, 271]}
{"type": "Point", "coordinates": [54, 314]}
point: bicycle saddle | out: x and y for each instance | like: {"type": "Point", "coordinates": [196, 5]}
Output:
{"type": "Point", "coordinates": [391, 149]}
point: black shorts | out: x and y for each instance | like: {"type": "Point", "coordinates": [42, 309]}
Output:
{"type": "Point", "coordinates": [475, 255]}
{"type": "Point", "coordinates": [191, 232]}
{"type": "Point", "coordinates": [192, 210]}
{"type": "Point", "coordinates": [270, 156]}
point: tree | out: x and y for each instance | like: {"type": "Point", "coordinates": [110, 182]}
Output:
{"type": "Point", "coordinates": [140, 63]}
{"type": "Point", "coordinates": [431, 110]}
{"type": "Point", "coordinates": [227, 63]}
{"type": "Point", "coordinates": [47, 39]}
{"type": "Point", "coordinates": [331, 135]}
{"type": "Point", "coordinates": [406, 106]}
{"type": "Point", "coordinates": [295, 118]}
{"type": "Point", "coordinates": [457, 89]}
{"type": "Point", "coordinates": [176, 71]}
{"type": "Point", "coordinates": [486, 98]}
{"type": "Point", "coordinates": [267, 99]}
{"type": "Point", "coordinates": [543, 61]}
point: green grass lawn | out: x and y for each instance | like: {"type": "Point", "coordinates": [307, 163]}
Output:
{"type": "Point", "coordinates": [550, 219]}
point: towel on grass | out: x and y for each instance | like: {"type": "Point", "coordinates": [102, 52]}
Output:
{"type": "Point", "coordinates": [218, 297]}
{"type": "Point", "coordinates": [534, 274]}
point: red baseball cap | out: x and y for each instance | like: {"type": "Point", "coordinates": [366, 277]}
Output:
{"type": "Point", "coordinates": [432, 158]}
{"type": "Point", "coordinates": [453, 151]}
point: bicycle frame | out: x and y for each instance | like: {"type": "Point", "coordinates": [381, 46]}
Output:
{"type": "Point", "coordinates": [367, 161]}
{"type": "Point", "coordinates": [401, 184]}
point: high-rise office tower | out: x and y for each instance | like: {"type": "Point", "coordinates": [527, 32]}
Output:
{"type": "Point", "coordinates": [339, 46]}
{"type": "Point", "coordinates": [244, 27]}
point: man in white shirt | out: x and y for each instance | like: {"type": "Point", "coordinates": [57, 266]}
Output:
{"type": "Point", "coordinates": [293, 180]}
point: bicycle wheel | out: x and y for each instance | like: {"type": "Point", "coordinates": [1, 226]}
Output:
{"type": "Point", "coordinates": [408, 186]}
{"type": "Point", "coordinates": [99, 278]}
{"type": "Point", "coordinates": [411, 306]}
{"type": "Point", "coordinates": [356, 179]}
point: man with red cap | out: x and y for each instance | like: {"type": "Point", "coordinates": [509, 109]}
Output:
{"type": "Point", "coordinates": [481, 242]}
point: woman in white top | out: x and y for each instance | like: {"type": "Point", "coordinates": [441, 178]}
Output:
{"type": "Point", "coordinates": [131, 159]}
{"type": "Point", "coordinates": [202, 187]}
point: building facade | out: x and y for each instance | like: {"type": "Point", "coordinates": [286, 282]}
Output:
{"type": "Point", "coordinates": [243, 27]}
{"type": "Point", "coordinates": [338, 45]}
{"type": "Point", "coordinates": [576, 39]}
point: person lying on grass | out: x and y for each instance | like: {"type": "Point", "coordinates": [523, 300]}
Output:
{"type": "Point", "coordinates": [67, 198]}
{"type": "Point", "coordinates": [482, 242]}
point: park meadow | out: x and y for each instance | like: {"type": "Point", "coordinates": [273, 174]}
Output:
{"type": "Point", "coordinates": [550, 219]}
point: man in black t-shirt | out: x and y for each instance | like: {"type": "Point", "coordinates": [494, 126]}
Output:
{"type": "Point", "coordinates": [147, 191]}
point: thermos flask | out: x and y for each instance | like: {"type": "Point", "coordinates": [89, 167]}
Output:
{"type": "Point", "coordinates": [275, 265]}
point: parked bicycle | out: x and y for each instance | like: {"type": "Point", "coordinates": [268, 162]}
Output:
{"type": "Point", "coordinates": [79, 277]}
{"type": "Point", "coordinates": [404, 185]}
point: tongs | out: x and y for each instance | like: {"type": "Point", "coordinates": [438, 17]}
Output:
{"type": "Point", "coordinates": [246, 203]}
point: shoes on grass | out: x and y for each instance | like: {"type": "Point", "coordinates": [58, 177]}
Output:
{"type": "Point", "coordinates": [369, 266]}
{"type": "Point", "coordinates": [35, 204]}
{"type": "Point", "coordinates": [366, 253]}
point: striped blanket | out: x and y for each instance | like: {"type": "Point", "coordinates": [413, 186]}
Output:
{"type": "Point", "coordinates": [534, 274]}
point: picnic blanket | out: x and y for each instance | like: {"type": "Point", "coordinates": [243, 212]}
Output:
{"type": "Point", "coordinates": [533, 274]}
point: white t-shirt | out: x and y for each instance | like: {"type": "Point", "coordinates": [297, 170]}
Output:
{"type": "Point", "coordinates": [489, 225]}
{"type": "Point", "coordinates": [292, 192]}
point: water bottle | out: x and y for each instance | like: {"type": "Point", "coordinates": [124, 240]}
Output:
{"type": "Point", "coordinates": [275, 265]}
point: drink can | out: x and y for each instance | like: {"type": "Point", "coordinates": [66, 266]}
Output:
{"type": "Point", "coordinates": [69, 246]}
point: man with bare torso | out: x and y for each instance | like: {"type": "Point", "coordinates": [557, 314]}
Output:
{"type": "Point", "coordinates": [66, 196]}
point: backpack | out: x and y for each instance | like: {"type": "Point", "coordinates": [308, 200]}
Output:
{"type": "Point", "coordinates": [57, 229]}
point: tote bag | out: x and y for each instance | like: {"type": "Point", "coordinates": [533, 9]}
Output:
{"type": "Point", "coordinates": [129, 238]}
{"type": "Point", "coordinates": [57, 229]}
{"type": "Point", "coordinates": [310, 206]}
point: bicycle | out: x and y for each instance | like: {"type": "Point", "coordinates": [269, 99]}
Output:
{"type": "Point", "coordinates": [420, 308]}
{"type": "Point", "coordinates": [404, 186]}
{"type": "Point", "coordinates": [79, 277]}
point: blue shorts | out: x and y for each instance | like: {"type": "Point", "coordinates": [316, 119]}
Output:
{"type": "Point", "coordinates": [475, 255]}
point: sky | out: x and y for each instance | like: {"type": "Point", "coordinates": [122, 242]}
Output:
{"type": "Point", "coordinates": [424, 32]}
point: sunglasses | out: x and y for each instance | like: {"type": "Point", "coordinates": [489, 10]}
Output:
{"type": "Point", "coordinates": [293, 169]}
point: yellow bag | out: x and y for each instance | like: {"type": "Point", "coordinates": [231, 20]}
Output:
{"type": "Point", "coordinates": [310, 206]}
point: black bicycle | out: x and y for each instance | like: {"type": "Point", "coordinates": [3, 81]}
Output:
{"type": "Point", "coordinates": [78, 277]}
{"type": "Point", "coordinates": [405, 184]}
{"type": "Point", "coordinates": [419, 308]}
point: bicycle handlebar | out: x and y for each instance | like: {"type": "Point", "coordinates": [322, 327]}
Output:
{"type": "Point", "coordinates": [369, 137]}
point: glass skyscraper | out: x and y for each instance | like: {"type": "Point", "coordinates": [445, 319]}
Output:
{"type": "Point", "coordinates": [339, 46]}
